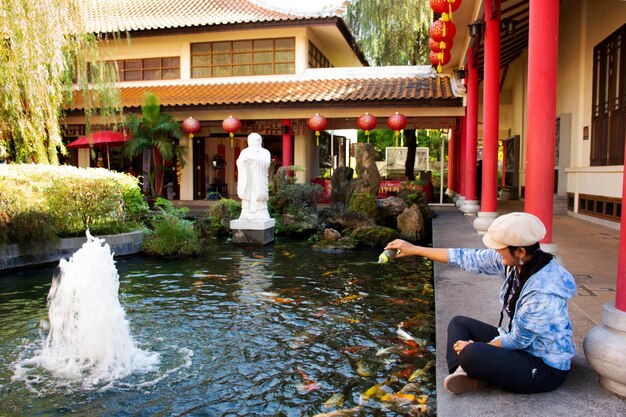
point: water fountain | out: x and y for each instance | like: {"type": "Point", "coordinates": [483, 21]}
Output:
{"type": "Point", "coordinates": [89, 339]}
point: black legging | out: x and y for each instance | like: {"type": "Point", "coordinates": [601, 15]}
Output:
{"type": "Point", "coordinates": [513, 370]}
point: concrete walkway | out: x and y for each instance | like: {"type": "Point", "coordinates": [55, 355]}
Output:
{"type": "Point", "coordinates": [589, 252]}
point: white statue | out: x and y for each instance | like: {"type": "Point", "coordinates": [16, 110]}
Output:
{"type": "Point", "coordinates": [252, 187]}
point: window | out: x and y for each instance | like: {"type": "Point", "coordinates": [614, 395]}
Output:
{"type": "Point", "coordinates": [149, 69]}
{"type": "Point", "coordinates": [243, 58]}
{"type": "Point", "coordinates": [609, 100]}
{"type": "Point", "coordinates": [317, 58]}
{"type": "Point", "coordinates": [609, 208]}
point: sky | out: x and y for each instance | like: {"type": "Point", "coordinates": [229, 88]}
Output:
{"type": "Point", "coordinates": [304, 5]}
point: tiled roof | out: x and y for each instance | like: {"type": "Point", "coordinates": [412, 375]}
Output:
{"type": "Point", "coordinates": [130, 15]}
{"type": "Point", "coordinates": [424, 91]}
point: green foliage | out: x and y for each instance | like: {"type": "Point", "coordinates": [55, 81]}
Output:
{"type": "Point", "coordinates": [289, 195]}
{"type": "Point", "coordinates": [42, 60]}
{"type": "Point", "coordinates": [391, 32]}
{"type": "Point", "coordinates": [363, 202]}
{"type": "Point", "coordinates": [157, 133]}
{"type": "Point", "coordinates": [216, 220]}
{"type": "Point", "coordinates": [43, 202]}
{"type": "Point", "coordinates": [381, 139]}
{"type": "Point", "coordinates": [171, 235]}
{"type": "Point", "coordinates": [411, 195]}
{"type": "Point", "coordinates": [375, 236]}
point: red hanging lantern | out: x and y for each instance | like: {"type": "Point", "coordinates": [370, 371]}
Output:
{"type": "Point", "coordinates": [367, 122]}
{"type": "Point", "coordinates": [445, 6]}
{"type": "Point", "coordinates": [438, 59]}
{"type": "Point", "coordinates": [443, 30]}
{"type": "Point", "coordinates": [191, 126]}
{"type": "Point", "coordinates": [231, 125]}
{"type": "Point", "coordinates": [396, 122]}
{"type": "Point", "coordinates": [317, 123]}
{"type": "Point", "coordinates": [439, 46]}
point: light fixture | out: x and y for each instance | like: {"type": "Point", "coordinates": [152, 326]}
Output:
{"type": "Point", "coordinates": [507, 26]}
{"type": "Point", "coordinates": [460, 74]}
{"type": "Point", "coordinates": [476, 29]}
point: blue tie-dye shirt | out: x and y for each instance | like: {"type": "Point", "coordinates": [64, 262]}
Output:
{"type": "Point", "coordinates": [541, 325]}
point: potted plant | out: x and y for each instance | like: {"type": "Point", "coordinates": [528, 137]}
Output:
{"type": "Point", "coordinates": [156, 133]}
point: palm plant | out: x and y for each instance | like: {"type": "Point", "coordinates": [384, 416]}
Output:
{"type": "Point", "coordinates": [156, 133]}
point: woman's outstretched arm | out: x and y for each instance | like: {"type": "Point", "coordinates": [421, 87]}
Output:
{"type": "Point", "coordinates": [405, 248]}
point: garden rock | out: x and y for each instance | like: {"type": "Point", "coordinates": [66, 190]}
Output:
{"type": "Point", "coordinates": [331, 235]}
{"type": "Point", "coordinates": [389, 209]}
{"type": "Point", "coordinates": [411, 224]}
{"type": "Point", "coordinates": [302, 222]}
{"type": "Point", "coordinates": [346, 220]}
{"type": "Point", "coordinates": [368, 177]}
{"type": "Point", "coordinates": [340, 185]}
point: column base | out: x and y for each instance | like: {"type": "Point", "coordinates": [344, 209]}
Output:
{"type": "Point", "coordinates": [459, 201]}
{"type": "Point", "coordinates": [483, 221]}
{"type": "Point", "coordinates": [253, 232]}
{"type": "Point", "coordinates": [451, 194]}
{"type": "Point", "coordinates": [605, 349]}
{"type": "Point", "coordinates": [470, 207]}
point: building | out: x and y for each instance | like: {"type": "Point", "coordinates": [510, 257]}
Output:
{"type": "Point", "coordinates": [270, 69]}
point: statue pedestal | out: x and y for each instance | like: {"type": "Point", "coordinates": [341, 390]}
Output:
{"type": "Point", "coordinates": [253, 232]}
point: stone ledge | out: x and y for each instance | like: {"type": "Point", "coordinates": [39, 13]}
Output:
{"type": "Point", "coordinates": [17, 256]}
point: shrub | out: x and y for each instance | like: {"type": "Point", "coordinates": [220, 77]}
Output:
{"type": "Point", "coordinates": [171, 235]}
{"type": "Point", "coordinates": [60, 201]}
{"type": "Point", "coordinates": [216, 220]}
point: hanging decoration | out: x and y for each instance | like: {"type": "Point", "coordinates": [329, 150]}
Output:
{"type": "Point", "coordinates": [445, 6]}
{"type": "Point", "coordinates": [396, 122]}
{"type": "Point", "coordinates": [317, 123]}
{"type": "Point", "coordinates": [190, 126]}
{"type": "Point", "coordinates": [367, 122]}
{"type": "Point", "coordinates": [231, 125]}
{"type": "Point", "coordinates": [442, 33]}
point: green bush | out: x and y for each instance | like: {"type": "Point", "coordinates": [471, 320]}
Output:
{"type": "Point", "coordinates": [61, 201]}
{"type": "Point", "coordinates": [216, 220]}
{"type": "Point", "coordinates": [171, 235]}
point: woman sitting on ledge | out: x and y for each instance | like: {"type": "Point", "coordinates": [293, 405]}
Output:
{"type": "Point", "coordinates": [534, 354]}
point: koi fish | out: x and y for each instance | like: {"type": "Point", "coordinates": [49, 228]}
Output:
{"type": "Point", "coordinates": [348, 298]}
{"type": "Point", "coordinates": [336, 400]}
{"type": "Point", "coordinates": [399, 397]}
{"type": "Point", "coordinates": [341, 413]}
{"type": "Point", "coordinates": [362, 369]}
{"type": "Point", "coordinates": [428, 288]}
{"type": "Point", "coordinates": [307, 384]}
{"type": "Point", "coordinates": [282, 300]}
{"type": "Point", "coordinates": [353, 349]}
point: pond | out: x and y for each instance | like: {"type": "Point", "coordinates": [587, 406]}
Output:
{"type": "Point", "coordinates": [279, 330]}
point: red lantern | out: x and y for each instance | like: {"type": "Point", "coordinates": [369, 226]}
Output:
{"type": "Point", "coordinates": [367, 122]}
{"type": "Point", "coordinates": [396, 122]}
{"type": "Point", "coordinates": [439, 46]}
{"type": "Point", "coordinates": [443, 30]}
{"type": "Point", "coordinates": [231, 125]}
{"type": "Point", "coordinates": [438, 59]}
{"type": "Point", "coordinates": [191, 126]}
{"type": "Point", "coordinates": [445, 6]}
{"type": "Point", "coordinates": [317, 123]}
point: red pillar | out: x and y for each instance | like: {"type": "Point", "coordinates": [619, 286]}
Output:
{"type": "Point", "coordinates": [491, 107]}
{"type": "Point", "coordinates": [451, 160]}
{"type": "Point", "coordinates": [541, 110]}
{"type": "Point", "coordinates": [472, 128]}
{"type": "Point", "coordinates": [462, 155]}
{"type": "Point", "coordinates": [287, 148]}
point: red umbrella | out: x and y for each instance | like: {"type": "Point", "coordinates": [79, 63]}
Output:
{"type": "Point", "coordinates": [106, 138]}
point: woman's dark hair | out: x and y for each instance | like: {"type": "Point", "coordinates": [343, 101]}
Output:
{"type": "Point", "coordinates": [538, 260]}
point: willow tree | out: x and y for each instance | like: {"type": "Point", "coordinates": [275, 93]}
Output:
{"type": "Point", "coordinates": [391, 32]}
{"type": "Point", "coordinates": [45, 56]}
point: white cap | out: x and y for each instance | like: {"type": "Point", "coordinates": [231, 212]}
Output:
{"type": "Point", "coordinates": [514, 229]}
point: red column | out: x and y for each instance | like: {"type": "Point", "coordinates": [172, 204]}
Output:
{"type": "Point", "coordinates": [472, 128]}
{"type": "Point", "coordinates": [491, 107]}
{"type": "Point", "coordinates": [541, 110]}
{"type": "Point", "coordinates": [451, 160]}
{"type": "Point", "coordinates": [462, 155]}
{"type": "Point", "coordinates": [287, 148]}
